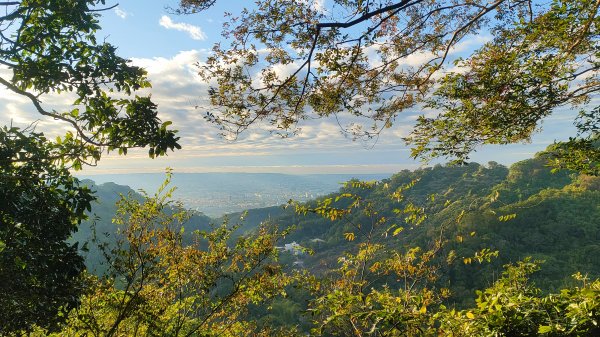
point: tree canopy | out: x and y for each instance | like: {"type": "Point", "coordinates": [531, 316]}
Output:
{"type": "Point", "coordinates": [285, 61]}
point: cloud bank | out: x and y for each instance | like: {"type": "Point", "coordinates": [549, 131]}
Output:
{"type": "Point", "coordinates": [319, 146]}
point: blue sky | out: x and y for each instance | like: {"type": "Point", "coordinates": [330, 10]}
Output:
{"type": "Point", "coordinates": [168, 45]}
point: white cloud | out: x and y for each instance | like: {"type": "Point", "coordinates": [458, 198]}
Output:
{"type": "Point", "coordinates": [177, 89]}
{"type": "Point", "coordinates": [319, 5]}
{"type": "Point", "coordinates": [121, 13]}
{"type": "Point", "coordinates": [194, 32]}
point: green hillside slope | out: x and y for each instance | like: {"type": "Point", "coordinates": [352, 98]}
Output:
{"type": "Point", "coordinates": [99, 229]}
{"type": "Point", "coordinates": [522, 211]}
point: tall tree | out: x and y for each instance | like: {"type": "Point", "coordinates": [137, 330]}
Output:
{"type": "Point", "coordinates": [285, 61]}
{"type": "Point", "coordinates": [50, 48]}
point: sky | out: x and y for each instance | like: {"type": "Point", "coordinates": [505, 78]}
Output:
{"type": "Point", "coordinates": [168, 46]}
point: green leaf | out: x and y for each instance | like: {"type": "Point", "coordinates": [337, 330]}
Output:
{"type": "Point", "coordinates": [398, 231]}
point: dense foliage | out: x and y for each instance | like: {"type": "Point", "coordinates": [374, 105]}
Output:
{"type": "Point", "coordinates": [41, 204]}
{"type": "Point", "coordinates": [524, 210]}
{"type": "Point", "coordinates": [51, 47]}
{"type": "Point", "coordinates": [157, 285]}
{"type": "Point", "coordinates": [406, 255]}
{"type": "Point", "coordinates": [512, 306]}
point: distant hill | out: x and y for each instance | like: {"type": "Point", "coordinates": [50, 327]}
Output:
{"type": "Point", "coordinates": [100, 223]}
{"type": "Point", "coordinates": [218, 193]}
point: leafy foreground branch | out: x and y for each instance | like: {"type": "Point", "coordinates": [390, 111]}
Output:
{"type": "Point", "coordinates": [41, 204]}
{"type": "Point", "coordinates": [49, 47]}
{"type": "Point", "coordinates": [514, 307]}
{"type": "Point", "coordinates": [162, 281]}
{"type": "Point", "coordinates": [381, 289]}
{"type": "Point", "coordinates": [159, 285]}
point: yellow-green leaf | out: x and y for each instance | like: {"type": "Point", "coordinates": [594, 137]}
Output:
{"type": "Point", "coordinates": [398, 231]}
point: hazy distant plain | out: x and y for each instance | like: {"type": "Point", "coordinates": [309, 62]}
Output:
{"type": "Point", "coordinates": [216, 194]}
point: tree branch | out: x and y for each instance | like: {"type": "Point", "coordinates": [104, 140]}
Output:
{"type": "Point", "coordinates": [104, 9]}
{"type": "Point", "coordinates": [41, 110]}
{"type": "Point", "coordinates": [367, 16]}
{"type": "Point", "coordinates": [483, 12]}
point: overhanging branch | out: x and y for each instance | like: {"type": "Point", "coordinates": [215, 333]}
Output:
{"type": "Point", "coordinates": [42, 111]}
{"type": "Point", "coordinates": [368, 15]}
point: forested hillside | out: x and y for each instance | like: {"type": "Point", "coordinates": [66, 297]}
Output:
{"type": "Point", "coordinates": [475, 219]}
{"type": "Point", "coordinates": [417, 246]}
{"type": "Point", "coordinates": [525, 210]}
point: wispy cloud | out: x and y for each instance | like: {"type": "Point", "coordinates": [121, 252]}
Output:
{"type": "Point", "coordinates": [121, 13]}
{"type": "Point", "coordinates": [194, 32]}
